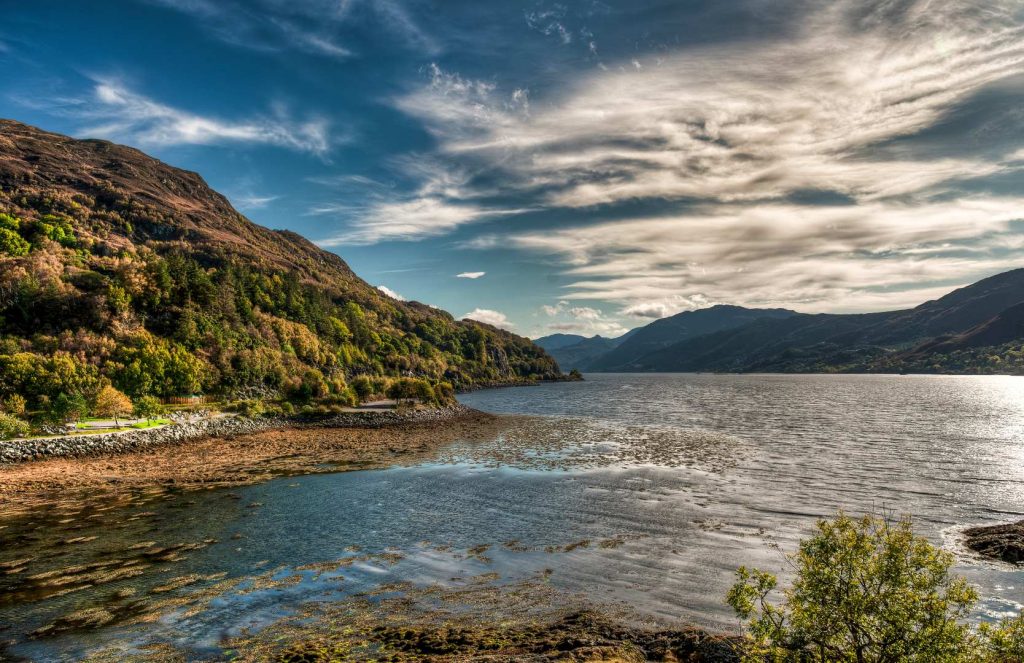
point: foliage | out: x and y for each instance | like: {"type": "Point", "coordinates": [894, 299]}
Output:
{"type": "Point", "coordinates": [177, 295]}
{"type": "Point", "coordinates": [148, 408]}
{"type": "Point", "coordinates": [11, 427]}
{"type": "Point", "coordinates": [14, 405]}
{"type": "Point", "coordinates": [865, 590]}
{"type": "Point", "coordinates": [112, 403]}
{"type": "Point", "coordinates": [13, 244]}
{"type": "Point", "coordinates": [1004, 642]}
{"type": "Point", "coordinates": [67, 407]}
{"type": "Point", "coordinates": [411, 390]}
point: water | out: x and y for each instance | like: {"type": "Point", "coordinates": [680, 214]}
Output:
{"type": "Point", "coordinates": [641, 489]}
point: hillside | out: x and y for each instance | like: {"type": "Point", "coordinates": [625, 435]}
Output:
{"type": "Point", "coordinates": [959, 332]}
{"type": "Point", "coordinates": [660, 334]}
{"type": "Point", "coordinates": [571, 351]}
{"type": "Point", "coordinates": [117, 267]}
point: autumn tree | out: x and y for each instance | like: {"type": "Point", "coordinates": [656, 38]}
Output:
{"type": "Point", "coordinates": [112, 403]}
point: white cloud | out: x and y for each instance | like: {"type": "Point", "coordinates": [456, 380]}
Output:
{"type": "Point", "coordinates": [470, 275]}
{"type": "Point", "coordinates": [126, 115]}
{"type": "Point", "coordinates": [391, 293]}
{"type": "Point", "coordinates": [490, 317]}
{"type": "Point", "coordinates": [414, 219]}
{"type": "Point", "coordinates": [584, 320]}
{"type": "Point", "coordinates": [854, 258]}
{"type": "Point", "coordinates": [737, 132]}
{"type": "Point", "coordinates": [664, 307]}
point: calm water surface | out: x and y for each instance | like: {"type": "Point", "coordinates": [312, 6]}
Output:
{"type": "Point", "coordinates": [644, 489]}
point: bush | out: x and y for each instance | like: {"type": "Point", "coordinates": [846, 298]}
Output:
{"type": "Point", "coordinates": [12, 243]}
{"type": "Point", "coordinates": [865, 590]}
{"type": "Point", "coordinates": [11, 427]}
{"type": "Point", "coordinates": [15, 405]}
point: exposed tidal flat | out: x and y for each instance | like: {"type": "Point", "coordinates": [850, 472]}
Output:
{"type": "Point", "coordinates": [608, 513]}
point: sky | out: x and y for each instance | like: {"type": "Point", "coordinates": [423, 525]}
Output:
{"type": "Point", "coordinates": [575, 166]}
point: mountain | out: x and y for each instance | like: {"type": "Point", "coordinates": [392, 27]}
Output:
{"type": "Point", "coordinates": [663, 333]}
{"type": "Point", "coordinates": [559, 341]}
{"type": "Point", "coordinates": [115, 266]}
{"type": "Point", "coordinates": [985, 314]}
{"type": "Point", "coordinates": [577, 354]}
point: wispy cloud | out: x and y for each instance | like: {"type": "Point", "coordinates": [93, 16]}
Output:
{"type": "Point", "coordinates": [788, 170]}
{"type": "Point", "coordinates": [120, 113]}
{"type": "Point", "coordinates": [490, 317]}
{"type": "Point", "coordinates": [470, 275]}
{"type": "Point", "coordinates": [414, 219]}
{"type": "Point", "coordinates": [249, 202]}
{"type": "Point", "coordinates": [855, 257]}
{"type": "Point", "coordinates": [308, 26]}
{"type": "Point", "coordinates": [745, 122]}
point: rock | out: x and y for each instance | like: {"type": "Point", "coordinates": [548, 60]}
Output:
{"type": "Point", "coordinates": [1001, 542]}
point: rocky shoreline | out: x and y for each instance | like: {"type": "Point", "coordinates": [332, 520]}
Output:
{"type": "Point", "coordinates": [1004, 543]}
{"type": "Point", "coordinates": [132, 440]}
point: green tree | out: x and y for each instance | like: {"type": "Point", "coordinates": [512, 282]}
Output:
{"type": "Point", "coordinates": [67, 407]}
{"type": "Point", "coordinates": [866, 589]}
{"type": "Point", "coordinates": [148, 408]}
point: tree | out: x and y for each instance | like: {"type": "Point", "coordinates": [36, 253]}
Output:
{"type": "Point", "coordinates": [148, 408]}
{"type": "Point", "coordinates": [865, 590]}
{"type": "Point", "coordinates": [68, 407]}
{"type": "Point", "coordinates": [112, 403]}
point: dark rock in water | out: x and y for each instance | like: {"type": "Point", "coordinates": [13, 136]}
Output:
{"type": "Point", "coordinates": [1002, 542]}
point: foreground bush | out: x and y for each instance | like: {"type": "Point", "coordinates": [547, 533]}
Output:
{"type": "Point", "coordinates": [11, 427]}
{"type": "Point", "coordinates": [867, 589]}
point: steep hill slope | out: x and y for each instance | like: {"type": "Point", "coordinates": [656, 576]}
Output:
{"type": "Point", "coordinates": [115, 266]}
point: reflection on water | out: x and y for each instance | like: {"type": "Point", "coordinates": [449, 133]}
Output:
{"type": "Point", "coordinates": [641, 489]}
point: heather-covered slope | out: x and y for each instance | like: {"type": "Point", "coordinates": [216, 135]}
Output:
{"type": "Point", "coordinates": [117, 267]}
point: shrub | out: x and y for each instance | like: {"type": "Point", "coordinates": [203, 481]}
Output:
{"type": "Point", "coordinates": [15, 405]}
{"type": "Point", "coordinates": [12, 243]}
{"type": "Point", "coordinates": [410, 390]}
{"type": "Point", "coordinates": [865, 590]}
{"type": "Point", "coordinates": [11, 427]}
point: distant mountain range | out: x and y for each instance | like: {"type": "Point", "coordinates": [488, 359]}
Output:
{"type": "Point", "coordinates": [975, 329]}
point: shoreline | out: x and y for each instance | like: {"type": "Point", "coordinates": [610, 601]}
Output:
{"type": "Point", "coordinates": [237, 451]}
{"type": "Point", "coordinates": [17, 451]}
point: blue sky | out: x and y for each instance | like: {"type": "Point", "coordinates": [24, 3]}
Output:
{"type": "Point", "coordinates": [571, 166]}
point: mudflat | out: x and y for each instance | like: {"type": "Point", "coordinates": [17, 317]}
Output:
{"type": "Point", "coordinates": [231, 461]}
